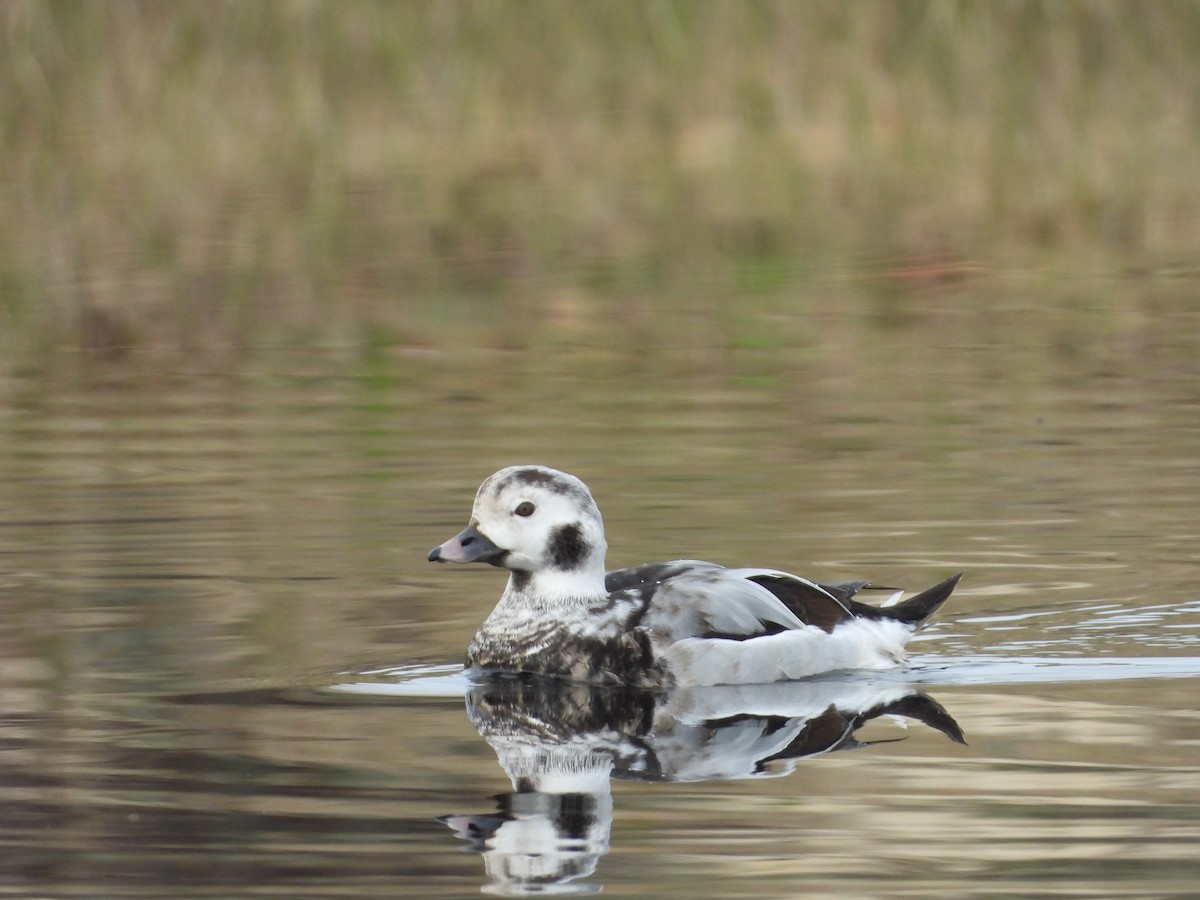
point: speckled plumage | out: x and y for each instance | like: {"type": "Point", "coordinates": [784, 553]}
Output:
{"type": "Point", "coordinates": [684, 622]}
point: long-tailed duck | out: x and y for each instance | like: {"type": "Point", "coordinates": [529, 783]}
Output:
{"type": "Point", "coordinates": [684, 622]}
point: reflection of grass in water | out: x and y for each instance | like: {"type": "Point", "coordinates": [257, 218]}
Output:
{"type": "Point", "coordinates": [228, 173]}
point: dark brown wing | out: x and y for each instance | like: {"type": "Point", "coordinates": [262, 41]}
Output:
{"type": "Point", "coordinates": [810, 603]}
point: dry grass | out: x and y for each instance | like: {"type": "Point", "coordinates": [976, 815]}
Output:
{"type": "Point", "coordinates": [207, 173]}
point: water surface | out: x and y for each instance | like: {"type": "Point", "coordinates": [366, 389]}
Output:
{"type": "Point", "coordinates": [227, 670]}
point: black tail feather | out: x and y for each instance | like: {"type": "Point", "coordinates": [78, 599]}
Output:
{"type": "Point", "coordinates": [915, 610]}
{"type": "Point", "coordinates": [925, 710]}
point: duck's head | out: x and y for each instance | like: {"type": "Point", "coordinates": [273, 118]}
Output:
{"type": "Point", "coordinates": [532, 520]}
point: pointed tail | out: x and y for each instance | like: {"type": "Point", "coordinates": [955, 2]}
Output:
{"type": "Point", "coordinates": [923, 709]}
{"type": "Point", "coordinates": [916, 610]}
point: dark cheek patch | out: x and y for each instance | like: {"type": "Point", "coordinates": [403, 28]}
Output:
{"type": "Point", "coordinates": [567, 547]}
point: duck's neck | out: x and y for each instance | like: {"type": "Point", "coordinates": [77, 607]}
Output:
{"type": "Point", "coordinates": [556, 588]}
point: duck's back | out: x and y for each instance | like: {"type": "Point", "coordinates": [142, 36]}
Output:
{"type": "Point", "coordinates": [712, 625]}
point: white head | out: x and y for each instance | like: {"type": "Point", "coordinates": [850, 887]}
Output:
{"type": "Point", "coordinates": [540, 524]}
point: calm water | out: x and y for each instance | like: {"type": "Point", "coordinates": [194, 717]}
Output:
{"type": "Point", "coordinates": [227, 670]}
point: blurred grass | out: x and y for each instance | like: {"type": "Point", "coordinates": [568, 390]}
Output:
{"type": "Point", "coordinates": [215, 173]}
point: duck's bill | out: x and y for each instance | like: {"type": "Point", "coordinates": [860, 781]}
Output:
{"type": "Point", "coordinates": [469, 545]}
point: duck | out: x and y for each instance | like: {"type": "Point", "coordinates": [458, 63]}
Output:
{"type": "Point", "coordinates": [680, 623]}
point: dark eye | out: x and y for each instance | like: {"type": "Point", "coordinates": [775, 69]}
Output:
{"type": "Point", "coordinates": [525, 508]}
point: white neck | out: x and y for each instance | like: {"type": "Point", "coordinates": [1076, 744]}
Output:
{"type": "Point", "coordinates": [556, 586]}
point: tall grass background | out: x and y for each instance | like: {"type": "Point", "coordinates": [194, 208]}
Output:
{"type": "Point", "coordinates": [208, 173]}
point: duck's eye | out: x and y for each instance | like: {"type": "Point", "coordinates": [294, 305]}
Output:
{"type": "Point", "coordinates": [524, 508]}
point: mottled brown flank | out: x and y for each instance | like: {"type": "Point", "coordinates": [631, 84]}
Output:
{"type": "Point", "coordinates": [628, 659]}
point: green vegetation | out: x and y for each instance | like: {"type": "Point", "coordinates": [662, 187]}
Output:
{"type": "Point", "coordinates": [208, 173]}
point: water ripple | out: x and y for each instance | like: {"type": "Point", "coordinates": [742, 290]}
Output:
{"type": "Point", "coordinates": [448, 681]}
{"type": "Point", "coordinates": [1050, 669]}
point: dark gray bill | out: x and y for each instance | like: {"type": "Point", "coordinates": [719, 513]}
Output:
{"type": "Point", "coordinates": [469, 545]}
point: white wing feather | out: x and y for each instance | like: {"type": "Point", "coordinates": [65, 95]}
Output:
{"type": "Point", "coordinates": [718, 602]}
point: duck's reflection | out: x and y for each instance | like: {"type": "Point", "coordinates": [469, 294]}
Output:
{"type": "Point", "coordinates": [561, 744]}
